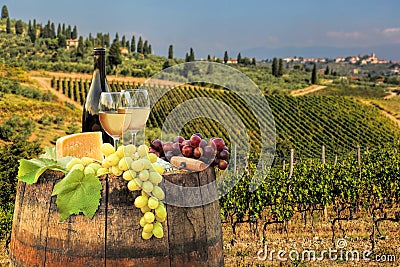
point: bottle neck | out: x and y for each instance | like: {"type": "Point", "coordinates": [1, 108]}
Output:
{"type": "Point", "coordinates": [100, 67]}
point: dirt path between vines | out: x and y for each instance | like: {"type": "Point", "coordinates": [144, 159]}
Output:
{"type": "Point", "coordinates": [44, 83]}
{"type": "Point", "coordinates": [308, 90]}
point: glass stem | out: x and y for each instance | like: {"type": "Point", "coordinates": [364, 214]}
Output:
{"type": "Point", "coordinates": [116, 140]}
{"type": "Point", "coordinates": [134, 138]}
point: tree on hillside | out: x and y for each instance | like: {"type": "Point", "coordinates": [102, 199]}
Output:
{"type": "Point", "coordinates": [123, 41]}
{"type": "Point", "coordinates": [314, 74]}
{"type": "Point", "coordinates": [191, 55]}
{"type": "Point", "coordinates": [8, 26]}
{"type": "Point", "coordinates": [114, 55]}
{"type": "Point", "coordinates": [170, 52]}
{"type": "Point", "coordinates": [74, 34]}
{"type": "Point", "coordinates": [133, 44]}
{"type": "Point", "coordinates": [253, 61]}
{"type": "Point", "coordinates": [281, 69]}
{"type": "Point", "coordinates": [166, 64]}
{"type": "Point", "coordinates": [327, 71]}
{"type": "Point", "coordinates": [31, 32]}
{"type": "Point", "coordinates": [4, 12]}
{"type": "Point", "coordinates": [275, 67]}
{"type": "Point", "coordinates": [58, 29]}
{"type": "Point", "coordinates": [68, 32]}
{"type": "Point", "coordinates": [63, 30]}
{"type": "Point", "coordinates": [145, 47]}
{"type": "Point", "coordinates": [19, 27]}
{"type": "Point", "coordinates": [52, 31]}
{"type": "Point", "coordinates": [140, 45]}
{"type": "Point", "coordinates": [80, 51]}
{"type": "Point", "coordinates": [208, 57]}
{"type": "Point", "coordinates": [187, 59]}
{"type": "Point", "coordinates": [239, 58]}
{"type": "Point", "coordinates": [226, 57]}
{"type": "Point", "coordinates": [150, 49]}
{"type": "Point", "coordinates": [62, 41]}
{"type": "Point", "coordinates": [116, 39]}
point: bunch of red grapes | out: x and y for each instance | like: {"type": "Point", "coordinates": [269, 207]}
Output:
{"type": "Point", "coordinates": [213, 152]}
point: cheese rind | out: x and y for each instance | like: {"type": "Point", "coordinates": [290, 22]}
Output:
{"type": "Point", "coordinates": [80, 145]}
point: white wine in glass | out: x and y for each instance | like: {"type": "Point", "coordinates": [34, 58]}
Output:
{"type": "Point", "coordinates": [138, 109]}
{"type": "Point", "coordinates": [113, 121]}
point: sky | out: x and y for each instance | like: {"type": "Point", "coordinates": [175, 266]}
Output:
{"type": "Point", "coordinates": [256, 28]}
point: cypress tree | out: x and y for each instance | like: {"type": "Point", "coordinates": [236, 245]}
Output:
{"type": "Point", "coordinates": [4, 12]}
{"type": "Point", "coordinates": [116, 37]}
{"type": "Point", "coordinates": [314, 74]}
{"type": "Point", "coordinates": [327, 71]}
{"type": "Point", "coordinates": [226, 57]}
{"type": "Point", "coordinates": [123, 41]}
{"type": "Point", "coordinates": [74, 34]}
{"type": "Point", "coordinates": [239, 58]}
{"type": "Point", "coordinates": [58, 30]}
{"type": "Point", "coordinates": [170, 52]}
{"type": "Point", "coordinates": [253, 61]}
{"type": "Point", "coordinates": [133, 44]}
{"type": "Point", "coordinates": [280, 68]}
{"type": "Point", "coordinates": [19, 27]}
{"type": "Point", "coordinates": [187, 59]}
{"type": "Point", "coordinates": [191, 55]}
{"type": "Point", "coordinates": [150, 49]}
{"type": "Point", "coordinates": [114, 56]}
{"type": "Point", "coordinates": [68, 32]}
{"type": "Point", "coordinates": [209, 57]}
{"type": "Point", "coordinates": [31, 32]}
{"type": "Point", "coordinates": [52, 31]}
{"type": "Point", "coordinates": [106, 40]}
{"type": "Point", "coordinates": [8, 26]}
{"type": "Point", "coordinates": [81, 49]}
{"type": "Point", "coordinates": [140, 45]}
{"type": "Point", "coordinates": [275, 67]}
{"type": "Point", "coordinates": [63, 30]}
{"type": "Point", "coordinates": [145, 47]}
{"type": "Point", "coordinates": [62, 41]}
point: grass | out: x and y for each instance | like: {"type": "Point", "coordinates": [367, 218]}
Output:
{"type": "Point", "coordinates": [391, 105]}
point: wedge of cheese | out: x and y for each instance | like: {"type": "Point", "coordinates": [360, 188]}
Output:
{"type": "Point", "coordinates": [80, 145]}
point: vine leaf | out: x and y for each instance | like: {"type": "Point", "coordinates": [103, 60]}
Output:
{"type": "Point", "coordinates": [77, 193]}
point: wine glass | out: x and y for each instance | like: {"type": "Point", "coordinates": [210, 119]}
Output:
{"type": "Point", "coordinates": [139, 110]}
{"type": "Point", "coordinates": [112, 117]}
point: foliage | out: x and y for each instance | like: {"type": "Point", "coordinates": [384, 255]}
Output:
{"type": "Point", "coordinates": [4, 12]}
{"type": "Point", "coordinates": [16, 129]}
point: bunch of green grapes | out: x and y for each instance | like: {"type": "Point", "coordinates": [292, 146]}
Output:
{"type": "Point", "coordinates": [85, 164]}
{"type": "Point", "coordinates": [141, 170]}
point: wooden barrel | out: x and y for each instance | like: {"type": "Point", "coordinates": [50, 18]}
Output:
{"type": "Point", "coordinates": [193, 236]}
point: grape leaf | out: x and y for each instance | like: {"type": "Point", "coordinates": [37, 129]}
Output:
{"type": "Point", "coordinates": [30, 170]}
{"type": "Point", "coordinates": [50, 153]}
{"type": "Point", "coordinates": [77, 193]}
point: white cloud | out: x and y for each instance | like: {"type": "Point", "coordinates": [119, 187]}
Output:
{"type": "Point", "coordinates": [391, 31]}
{"type": "Point", "coordinates": [346, 35]}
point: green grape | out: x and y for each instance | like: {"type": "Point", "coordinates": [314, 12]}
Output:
{"type": "Point", "coordinates": [142, 222]}
{"type": "Point", "coordinates": [139, 182]}
{"type": "Point", "coordinates": [86, 161]}
{"type": "Point", "coordinates": [129, 175]}
{"type": "Point", "coordinates": [105, 164]}
{"type": "Point", "coordinates": [94, 166]}
{"type": "Point", "coordinates": [112, 160]}
{"type": "Point", "coordinates": [155, 178]}
{"type": "Point", "coordinates": [102, 171]}
{"type": "Point", "coordinates": [116, 171]}
{"type": "Point", "coordinates": [152, 157]}
{"type": "Point", "coordinates": [145, 209]}
{"type": "Point", "coordinates": [158, 168]}
{"type": "Point", "coordinates": [148, 228]}
{"type": "Point", "coordinates": [129, 150]}
{"type": "Point", "coordinates": [159, 219]}
{"type": "Point", "coordinates": [78, 167]}
{"type": "Point", "coordinates": [140, 202]}
{"type": "Point", "coordinates": [125, 163]}
{"type": "Point", "coordinates": [107, 149]}
{"type": "Point", "coordinates": [89, 170]}
{"type": "Point", "coordinates": [147, 187]}
{"type": "Point", "coordinates": [145, 194]}
{"type": "Point", "coordinates": [146, 163]}
{"type": "Point", "coordinates": [158, 231]}
{"type": "Point", "coordinates": [158, 192]}
{"type": "Point", "coordinates": [73, 162]}
{"type": "Point", "coordinates": [161, 212]}
{"type": "Point", "coordinates": [120, 152]}
{"type": "Point", "coordinates": [146, 236]}
{"type": "Point", "coordinates": [153, 203]}
{"type": "Point", "coordinates": [133, 186]}
{"type": "Point", "coordinates": [137, 166]}
{"type": "Point", "coordinates": [149, 217]}
{"type": "Point", "coordinates": [143, 150]}
{"type": "Point", "coordinates": [144, 175]}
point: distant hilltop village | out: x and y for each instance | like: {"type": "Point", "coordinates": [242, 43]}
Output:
{"type": "Point", "coordinates": [359, 60]}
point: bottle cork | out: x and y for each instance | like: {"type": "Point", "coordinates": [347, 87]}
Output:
{"type": "Point", "coordinates": [188, 163]}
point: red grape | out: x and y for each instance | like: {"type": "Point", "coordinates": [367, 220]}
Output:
{"type": "Point", "coordinates": [179, 139]}
{"type": "Point", "coordinates": [157, 145]}
{"type": "Point", "coordinates": [198, 152]}
{"type": "Point", "coordinates": [186, 143]}
{"type": "Point", "coordinates": [195, 141]}
{"type": "Point", "coordinates": [219, 143]}
{"type": "Point", "coordinates": [187, 151]}
{"type": "Point", "coordinates": [223, 165]}
{"type": "Point", "coordinates": [223, 154]}
{"type": "Point", "coordinates": [176, 148]}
